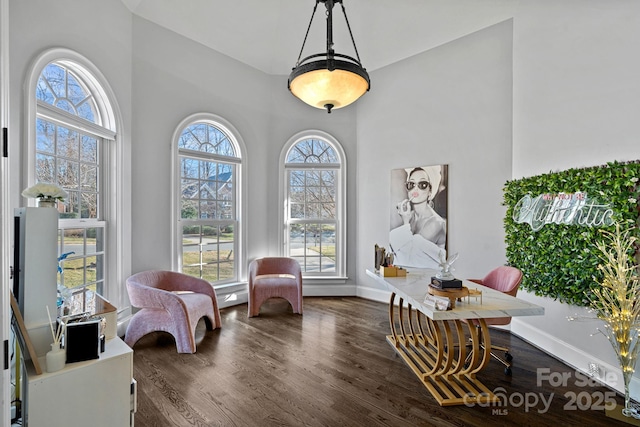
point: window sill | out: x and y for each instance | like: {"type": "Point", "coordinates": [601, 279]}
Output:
{"type": "Point", "coordinates": [235, 286]}
{"type": "Point", "coordinates": [325, 280]}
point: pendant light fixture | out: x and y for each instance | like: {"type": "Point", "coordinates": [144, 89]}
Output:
{"type": "Point", "coordinates": [329, 80]}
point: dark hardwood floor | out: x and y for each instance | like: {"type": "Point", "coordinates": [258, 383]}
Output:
{"type": "Point", "coordinates": [333, 367]}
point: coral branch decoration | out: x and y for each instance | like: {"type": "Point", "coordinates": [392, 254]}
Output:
{"type": "Point", "coordinates": [616, 301]}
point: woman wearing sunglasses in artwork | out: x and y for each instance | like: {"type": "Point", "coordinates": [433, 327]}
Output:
{"type": "Point", "coordinates": [419, 240]}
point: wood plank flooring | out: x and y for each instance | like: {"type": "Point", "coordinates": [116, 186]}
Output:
{"type": "Point", "coordinates": [333, 367]}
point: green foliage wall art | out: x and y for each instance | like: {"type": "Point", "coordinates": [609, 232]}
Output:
{"type": "Point", "coordinates": [552, 224]}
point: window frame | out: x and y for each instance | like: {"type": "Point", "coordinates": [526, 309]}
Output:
{"type": "Point", "coordinates": [341, 201]}
{"type": "Point", "coordinates": [235, 139]}
{"type": "Point", "coordinates": [113, 208]}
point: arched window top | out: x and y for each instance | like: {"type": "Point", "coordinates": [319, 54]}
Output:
{"type": "Point", "coordinates": [312, 150]}
{"type": "Point", "coordinates": [60, 87]}
{"type": "Point", "coordinates": [206, 138]}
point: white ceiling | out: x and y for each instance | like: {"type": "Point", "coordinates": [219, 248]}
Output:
{"type": "Point", "coordinates": [268, 34]}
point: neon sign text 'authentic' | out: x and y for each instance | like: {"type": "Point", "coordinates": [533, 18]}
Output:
{"type": "Point", "coordinates": [562, 208]}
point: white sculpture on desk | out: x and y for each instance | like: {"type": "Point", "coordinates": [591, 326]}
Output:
{"type": "Point", "coordinates": [445, 267]}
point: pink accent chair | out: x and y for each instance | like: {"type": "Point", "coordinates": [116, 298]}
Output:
{"type": "Point", "coordinates": [274, 277]}
{"type": "Point", "coordinates": [171, 302]}
{"type": "Point", "coordinates": [506, 280]}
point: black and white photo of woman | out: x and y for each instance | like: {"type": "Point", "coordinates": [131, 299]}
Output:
{"type": "Point", "coordinates": [418, 232]}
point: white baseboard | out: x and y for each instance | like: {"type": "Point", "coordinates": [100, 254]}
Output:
{"type": "Point", "coordinates": [608, 374]}
{"type": "Point", "coordinates": [231, 296]}
{"type": "Point", "coordinates": [373, 294]}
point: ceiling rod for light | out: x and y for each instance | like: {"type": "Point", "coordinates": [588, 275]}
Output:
{"type": "Point", "coordinates": [329, 82]}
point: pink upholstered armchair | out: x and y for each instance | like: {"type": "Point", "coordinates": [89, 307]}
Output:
{"type": "Point", "coordinates": [274, 277]}
{"type": "Point", "coordinates": [171, 302]}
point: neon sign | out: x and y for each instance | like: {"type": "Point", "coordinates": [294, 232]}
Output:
{"type": "Point", "coordinates": [562, 208]}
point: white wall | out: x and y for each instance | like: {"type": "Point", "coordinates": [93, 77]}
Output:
{"type": "Point", "coordinates": [450, 105]}
{"type": "Point", "coordinates": [174, 77]}
{"type": "Point", "coordinates": [576, 88]}
{"type": "Point", "coordinates": [576, 104]}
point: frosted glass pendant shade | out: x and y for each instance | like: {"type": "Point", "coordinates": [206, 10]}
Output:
{"type": "Point", "coordinates": [322, 88]}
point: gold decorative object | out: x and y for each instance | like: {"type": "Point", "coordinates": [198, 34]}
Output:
{"type": "Point", "coordinates": [453, 294]}
{"type": "Point", "coordinates": [617, 303]}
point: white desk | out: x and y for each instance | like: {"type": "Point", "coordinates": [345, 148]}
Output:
{"type": "Point", "coordinates": [434, 343]}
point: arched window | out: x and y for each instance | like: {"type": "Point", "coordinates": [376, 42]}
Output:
{"type": "Point", "coordinates": [73, 134]}
{"type": "Point", "coordinates": [207, 180]}
{"type": "Point", "coordinates": [313, 188]}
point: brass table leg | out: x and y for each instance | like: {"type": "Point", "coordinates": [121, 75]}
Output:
{"type": "Point", "coordinates": [436, 351]}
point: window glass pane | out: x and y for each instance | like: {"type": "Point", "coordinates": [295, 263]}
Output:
{"type": "Point", "coordinates": [86, 111]}
{"type": "Point", "coordinates": [207, 252]}
{"type": "Point", "coordinates": [60, 87]}
{"type": "Point", "coordinates": [93, 239]}
{"type": "Point", "coordinates": [297, 210]}
{"type": "Point", "coordinates": [206, 192]}
{"type": "Point", "coordinates": [225, 210]}
{"type": "Point", "coordinates": [206, 138]}
{"type": "Point", "coordinates": [296, 178]}
{"type": "Point", "coordinates": [43, 91]}
{"type": "Point", "coordinates": [328, 178]}
{"type": "Point", "coordinates": [88, 177]}
{"type": "Point", "coordinates": [45, 168]}
{"type": "Point", "coordinates": [312, 151]}
{"type": "Point", "coordinates": [226, 270]}
{"type": "Point", "coordinates": [55, 77]}
{"type": "Point", "coordinates": [313, 210]}
{"type": "Point", "coordinates": [207, 209]}
{"type": "Point", "coordinates": [72, 205]}
{"type": "Point", "coordinates": [189, 209]}
{"type": "Point", "coordinates": [82, 263]}
{"type": "Point", "coordinates": [68, 174]}
{"type": "Point", "coordinates": [89, 149]}
{"type": "Point", "coordinates": [75, 92]}
{"type": "Point", "coordinates": [190, 168]}
{"type": "Point", "coordinates": [190, 188]}
{"type": "Point", "coordinates": [45, 137]}
{"type": "Point", "coordinates": [89, 205]}
{"type": "Point", "coordinates": [67, 143]}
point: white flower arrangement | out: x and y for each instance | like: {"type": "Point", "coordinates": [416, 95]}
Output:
{"type": "Point", "coordinates": [44, 190]}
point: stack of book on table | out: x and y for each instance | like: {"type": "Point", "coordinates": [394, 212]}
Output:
{"type": "Point", "coordinates": [437, 303]}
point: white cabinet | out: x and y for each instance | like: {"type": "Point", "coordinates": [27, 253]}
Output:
{"type": "Point", "coordinates": [92, 393]}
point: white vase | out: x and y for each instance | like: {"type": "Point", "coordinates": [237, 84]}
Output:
{"type": "Point", "coordinates": [56, 358]}
{"type": "Point", "coordinates": [46, 202]}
